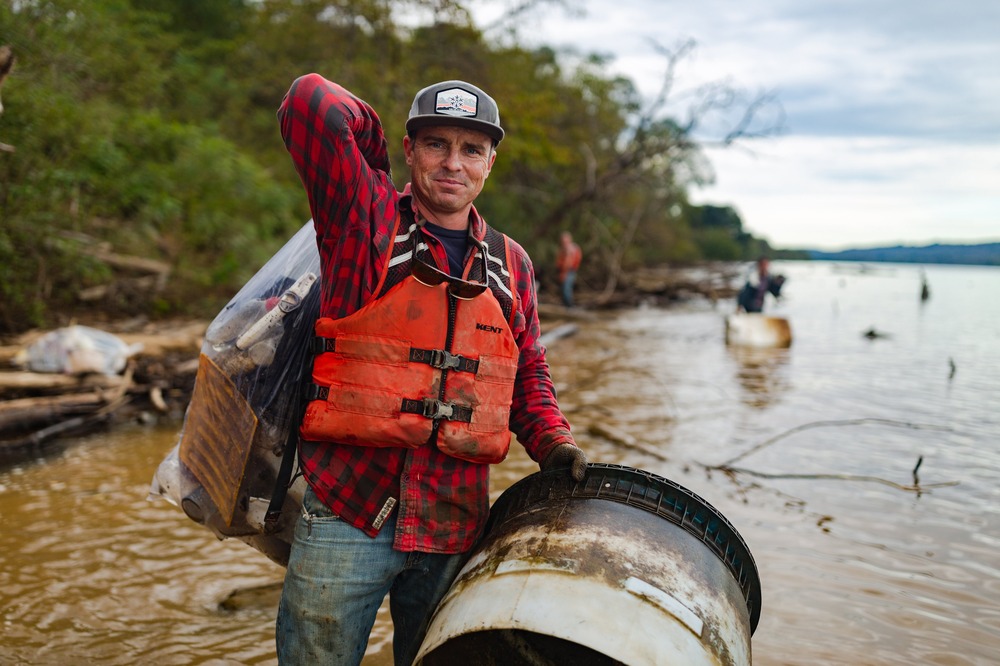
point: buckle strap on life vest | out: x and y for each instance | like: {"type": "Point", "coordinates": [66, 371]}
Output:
{"type": "Point", "coordinates": [319, 344]}
{"type": "Point", "coordinates": [315, 392]}
{"type": "Point", "coordinates": [436, 358]}
{"type": "Point", "coordinates": [443, 360]}
{"type": "Point", "coordinates": [428, 407]}
{"type": "Point", "coordinates": [436, 409]}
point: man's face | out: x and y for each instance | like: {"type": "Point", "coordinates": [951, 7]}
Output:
{"type": "Point", "coordinates": [448, 166]}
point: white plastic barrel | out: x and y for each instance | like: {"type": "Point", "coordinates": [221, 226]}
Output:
{"type": "Point", "coordinates": [752, 329]}
{"type": "Point", "coordinates": [624, 567]}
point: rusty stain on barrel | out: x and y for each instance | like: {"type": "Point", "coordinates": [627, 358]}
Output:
{"type": "Point", "coordinates": [670, 579]}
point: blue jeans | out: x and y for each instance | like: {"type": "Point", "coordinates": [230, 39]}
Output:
{"type": "Point", "coordinates": [336, 580]}
{"type": "Point", "coordinates": [567, 289]}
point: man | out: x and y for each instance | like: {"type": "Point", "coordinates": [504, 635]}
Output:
{"type": "Point", "coordinates": [568, 260]}
{"type": "Point", "coordinates": [759, 283]}
{"type": "Point", "coordinates": [428, 357]}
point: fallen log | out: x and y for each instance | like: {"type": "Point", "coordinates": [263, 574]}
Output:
{"type": "Point", "coordinates": [7, 354]}
{"type": "Point", "coordinates": [26, 413]}
{"type": "Point", "coordinates": [34, 442]}
{"type": "Point", "coordinates": [186, 337]}
{"type": "Point", "coordinates": [37, 408]}
{"type": "Point", "coordinates": [557, 333]}
{"type": "Point", "coordinates": [22, 381]}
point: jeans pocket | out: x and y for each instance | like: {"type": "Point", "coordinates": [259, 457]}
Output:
{"type": "Point", "coordinates": [313, 508]}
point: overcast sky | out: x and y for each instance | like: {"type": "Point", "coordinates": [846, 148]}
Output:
{"type": "Point", "coordinates": [892, 129]}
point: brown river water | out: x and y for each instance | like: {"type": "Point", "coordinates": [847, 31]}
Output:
{"type": "Point", "coordinates": [853, 570]}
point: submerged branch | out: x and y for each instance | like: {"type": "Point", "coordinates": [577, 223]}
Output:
{"type": "Point", "coordinates": [826, 424]}
{"type": "Point", "coordinates": [916, 487]}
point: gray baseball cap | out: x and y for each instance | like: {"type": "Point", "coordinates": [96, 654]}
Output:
{"type": "Point", "coordinates": [458, 104]}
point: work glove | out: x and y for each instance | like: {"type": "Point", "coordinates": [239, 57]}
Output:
{"type": "Point", "coordinates": [567, 456]}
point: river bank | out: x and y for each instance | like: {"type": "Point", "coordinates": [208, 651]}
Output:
{"type": "Point", "coordinates": [853, 570]}
{"type": "Point", "coordinates": [37, 409]}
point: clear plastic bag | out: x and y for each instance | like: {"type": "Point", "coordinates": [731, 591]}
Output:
{"type": "Point", "coordinates": [77, 350]}
{"type": "Point", "coordinates": [245, 408]}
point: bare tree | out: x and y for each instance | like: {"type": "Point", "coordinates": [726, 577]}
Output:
{"type": "Point", "coordinates": [516, 11]}
{"type": "Point", "coordinates": [659, 153]}
{"type": "Point", "coordinates": [645, 142]}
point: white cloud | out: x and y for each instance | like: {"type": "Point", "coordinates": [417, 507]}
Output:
{"type": "Point", "coordinates": [893, 108]}
{"type": "Point", "coordinates": [834, 193]}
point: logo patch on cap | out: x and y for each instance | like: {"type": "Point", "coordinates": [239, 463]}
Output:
{"type": "Point", "coordinates": [456, 102]}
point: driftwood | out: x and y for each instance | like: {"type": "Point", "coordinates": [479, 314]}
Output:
{"type": "Point", "coordinates": [28, 412]}
{"type": "Point", "coordinates": [141, 274]}
{"type": "Point", "coordinates": [623, 439]}
{"type": "Point", "coordinates": [558, 333]}
{"type": "Point", "coordinates": [828, 424]}
{"type": "Point", "coordinates": [37, 408]}
{"type": "Point", "coordinates": [656, 285]}
{"type": "Point", "coordinates": [915, 487]}
{"type": "Point", "coordinates": [48, 383]}
{"type": "Point", "coordinates": [33, 442]}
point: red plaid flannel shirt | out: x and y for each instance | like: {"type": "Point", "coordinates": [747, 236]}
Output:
{"type": "Point", "coordinates": [339, 150]}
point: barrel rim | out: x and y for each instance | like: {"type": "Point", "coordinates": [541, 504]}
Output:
{"type": "Point", "coordinates": [651, 493]}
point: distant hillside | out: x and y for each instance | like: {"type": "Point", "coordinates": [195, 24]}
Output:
{"type": "Point", "coordinates": [984, 254]}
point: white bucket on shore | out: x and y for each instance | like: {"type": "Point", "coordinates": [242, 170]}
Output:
{"type": "Point", "coordinates": [752, 329]}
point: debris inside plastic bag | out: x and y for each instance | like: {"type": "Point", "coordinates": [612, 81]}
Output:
{"type": "Point", "coordinates": [256, 325]}
{"type": "Point", "coordinates": [77, 350]}
{"type": "Point", "coordinates": [244, 412]}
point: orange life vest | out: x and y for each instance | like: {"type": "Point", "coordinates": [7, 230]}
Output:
{"type": "Point", "coordinates": [413, 366]}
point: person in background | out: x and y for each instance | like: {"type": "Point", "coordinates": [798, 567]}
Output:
{"type": "Point", "coordinates": [7, 60]}
{"type": "Point", "coordinates": [568, 260]}
{"type": "Point", "coordinates": [759, 283]}
{"type": "Point", "coordinates": [427, 357]}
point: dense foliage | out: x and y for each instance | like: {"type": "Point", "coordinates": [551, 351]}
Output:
{"type": "Point", "coordinates": [146, 173]}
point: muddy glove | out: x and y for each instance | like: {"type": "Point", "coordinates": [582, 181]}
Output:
{"type": "Point", "coordinates": [567, 455]}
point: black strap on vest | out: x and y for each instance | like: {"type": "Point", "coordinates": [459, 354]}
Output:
{"type": "Point", "coordinates": [320, 345]}
{"type": "Point", "coordinates": [436, 409]}
{"type": "Point", "coordinates": [316, 392]}
{"type": "Point", "coordinates": [495, 242]}
{"type": "Point", "coordinates": [436, 358]}
{"type": "Point", "coordinates": [429, 407]}
{"type": "Point", "coordinates": [442, 360]}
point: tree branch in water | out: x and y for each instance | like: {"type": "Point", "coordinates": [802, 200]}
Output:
{"type": "Point", "coordinates": [916, 487]}
{"type": "Point", "coordinates": [828, 424]}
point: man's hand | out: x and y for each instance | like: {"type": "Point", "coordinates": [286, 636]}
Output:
{"type": "Point", "coordinates": [567, 455]}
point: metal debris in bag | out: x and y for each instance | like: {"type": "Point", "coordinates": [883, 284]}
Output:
{"type": "Point", "coordinates": [244, 412]}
